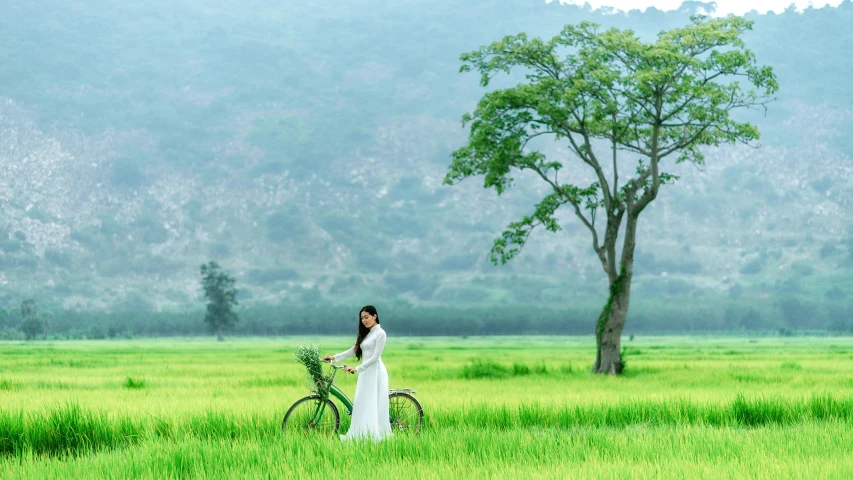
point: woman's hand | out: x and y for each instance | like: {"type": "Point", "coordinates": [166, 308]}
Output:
{"type": "Point", "coordinates": [328, 358]}
{"type": "Point", "coordinates": [349, 369]}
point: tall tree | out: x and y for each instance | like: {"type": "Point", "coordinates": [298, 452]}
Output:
{"type": "Point", "coordinates": [28, 308]}
{"type": "Point", "coordinates": [622, 107]}
{"type": "Point", "coordinates": [46, 322]}
{"type": "Point", "coordinates": [30, 323]}
{"type": "Point", "coordinates": [222, 296]}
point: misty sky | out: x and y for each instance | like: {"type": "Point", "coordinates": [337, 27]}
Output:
{"type": "Point", "coordinates": [724, 7]}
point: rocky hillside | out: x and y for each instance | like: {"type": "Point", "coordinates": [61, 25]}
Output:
{"type": "Point", "coordinates": [311, 166]}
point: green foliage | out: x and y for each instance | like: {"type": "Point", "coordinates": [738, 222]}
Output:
{"type": "Point", "coordinates": [651, 99]}
{"type": "Point", "coordinates": [31, 326]}
{"type": "Point", "coordinates": [480, 368]}
{"type": "Point", "coordinates": [28, 308]}
{"type": "Point", "coordinates": [134, 384]}
{"type": "Point", "coordinates": [700, 400]}
{"type": "Point", "coordinates": [309, 357]}
{"type": "Point", "coordinates": [292, 93]}
{"type": "Point", "coordinates": [795, 313]}
{"type": "Point", "coordinates": [96, 332]}
{"type": "Point", "coordinates": [792, 366]}
{"type": "Point", "coordinates": [483, 369]}
{"type": "Point", "coordinates": [67, 430]}
{"type": "Point", "coordinates": [314, 314]}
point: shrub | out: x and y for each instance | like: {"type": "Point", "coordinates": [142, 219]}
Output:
{"type": "Point", "coordinates": [794, 366]}
{"type": "Point", "coordinates": [134, 384]}
{"type": "Point", "coordinates": [483, 369]}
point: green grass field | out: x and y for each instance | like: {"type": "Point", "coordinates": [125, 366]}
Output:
{"type": "Point", "coordinates": [500, 407]}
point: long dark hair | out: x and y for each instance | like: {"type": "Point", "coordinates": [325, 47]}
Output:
{"type": "Point", "coordinates": [362, 330]}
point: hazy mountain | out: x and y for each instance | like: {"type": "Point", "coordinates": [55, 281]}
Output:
{"type": "Point", "coordinates": [303, 147]}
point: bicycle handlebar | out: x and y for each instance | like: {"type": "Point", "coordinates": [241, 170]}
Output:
{"type": "Point", "coordinates": [337, 365]}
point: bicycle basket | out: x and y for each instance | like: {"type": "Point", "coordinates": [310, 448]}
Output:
{"type": "Point", "coordinates": [319, 386]}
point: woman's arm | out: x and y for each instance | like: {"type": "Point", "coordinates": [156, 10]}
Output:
{"type": "Point", "coordinates": [346, 354]}
{"type": "Point", "coordinates": [380, 345]}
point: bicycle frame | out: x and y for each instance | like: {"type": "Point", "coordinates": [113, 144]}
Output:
{"type": "Point", "coordinates": [340, 395]}
{"type": "Point", "coordinates": [336, 392]}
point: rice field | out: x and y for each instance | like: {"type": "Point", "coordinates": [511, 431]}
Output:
{"type": "Point", "coordinates": [496, 407]}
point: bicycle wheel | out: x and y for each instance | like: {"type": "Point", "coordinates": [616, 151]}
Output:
{"type": "Point", "coordinates": [406, 413]}
{"type": "Point", "coordinates": [298, 419]}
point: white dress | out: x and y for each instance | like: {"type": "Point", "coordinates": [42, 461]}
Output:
{"type": "Point", "coordinates": [370, 405]}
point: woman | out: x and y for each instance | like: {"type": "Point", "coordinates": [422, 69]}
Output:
{"type": "Point", "coordinates": [370, 405]}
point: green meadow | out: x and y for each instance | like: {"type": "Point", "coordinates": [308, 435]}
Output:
{"type": "Point", "coordinates": [495, 407]}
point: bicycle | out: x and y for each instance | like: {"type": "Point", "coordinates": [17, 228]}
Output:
{"type": "Point", "coordinates": [318, 413]}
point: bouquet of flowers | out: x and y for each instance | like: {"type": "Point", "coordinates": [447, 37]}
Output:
{"type": "Point", "coordinates": [310, 357]}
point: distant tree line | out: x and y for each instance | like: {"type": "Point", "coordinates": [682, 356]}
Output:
{"type": "Point", "coordinates": [728, 315]}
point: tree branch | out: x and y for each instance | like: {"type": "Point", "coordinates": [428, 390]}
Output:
{"type": "Point", "coordinates": [575, 203]}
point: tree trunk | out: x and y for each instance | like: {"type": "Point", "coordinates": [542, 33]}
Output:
{"type": "Point", "coordinates": [608, 332]}
{"type": "Point", "coordinates": [219, 333]}
{"type": "Point", "coordinates": [608, 335]}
